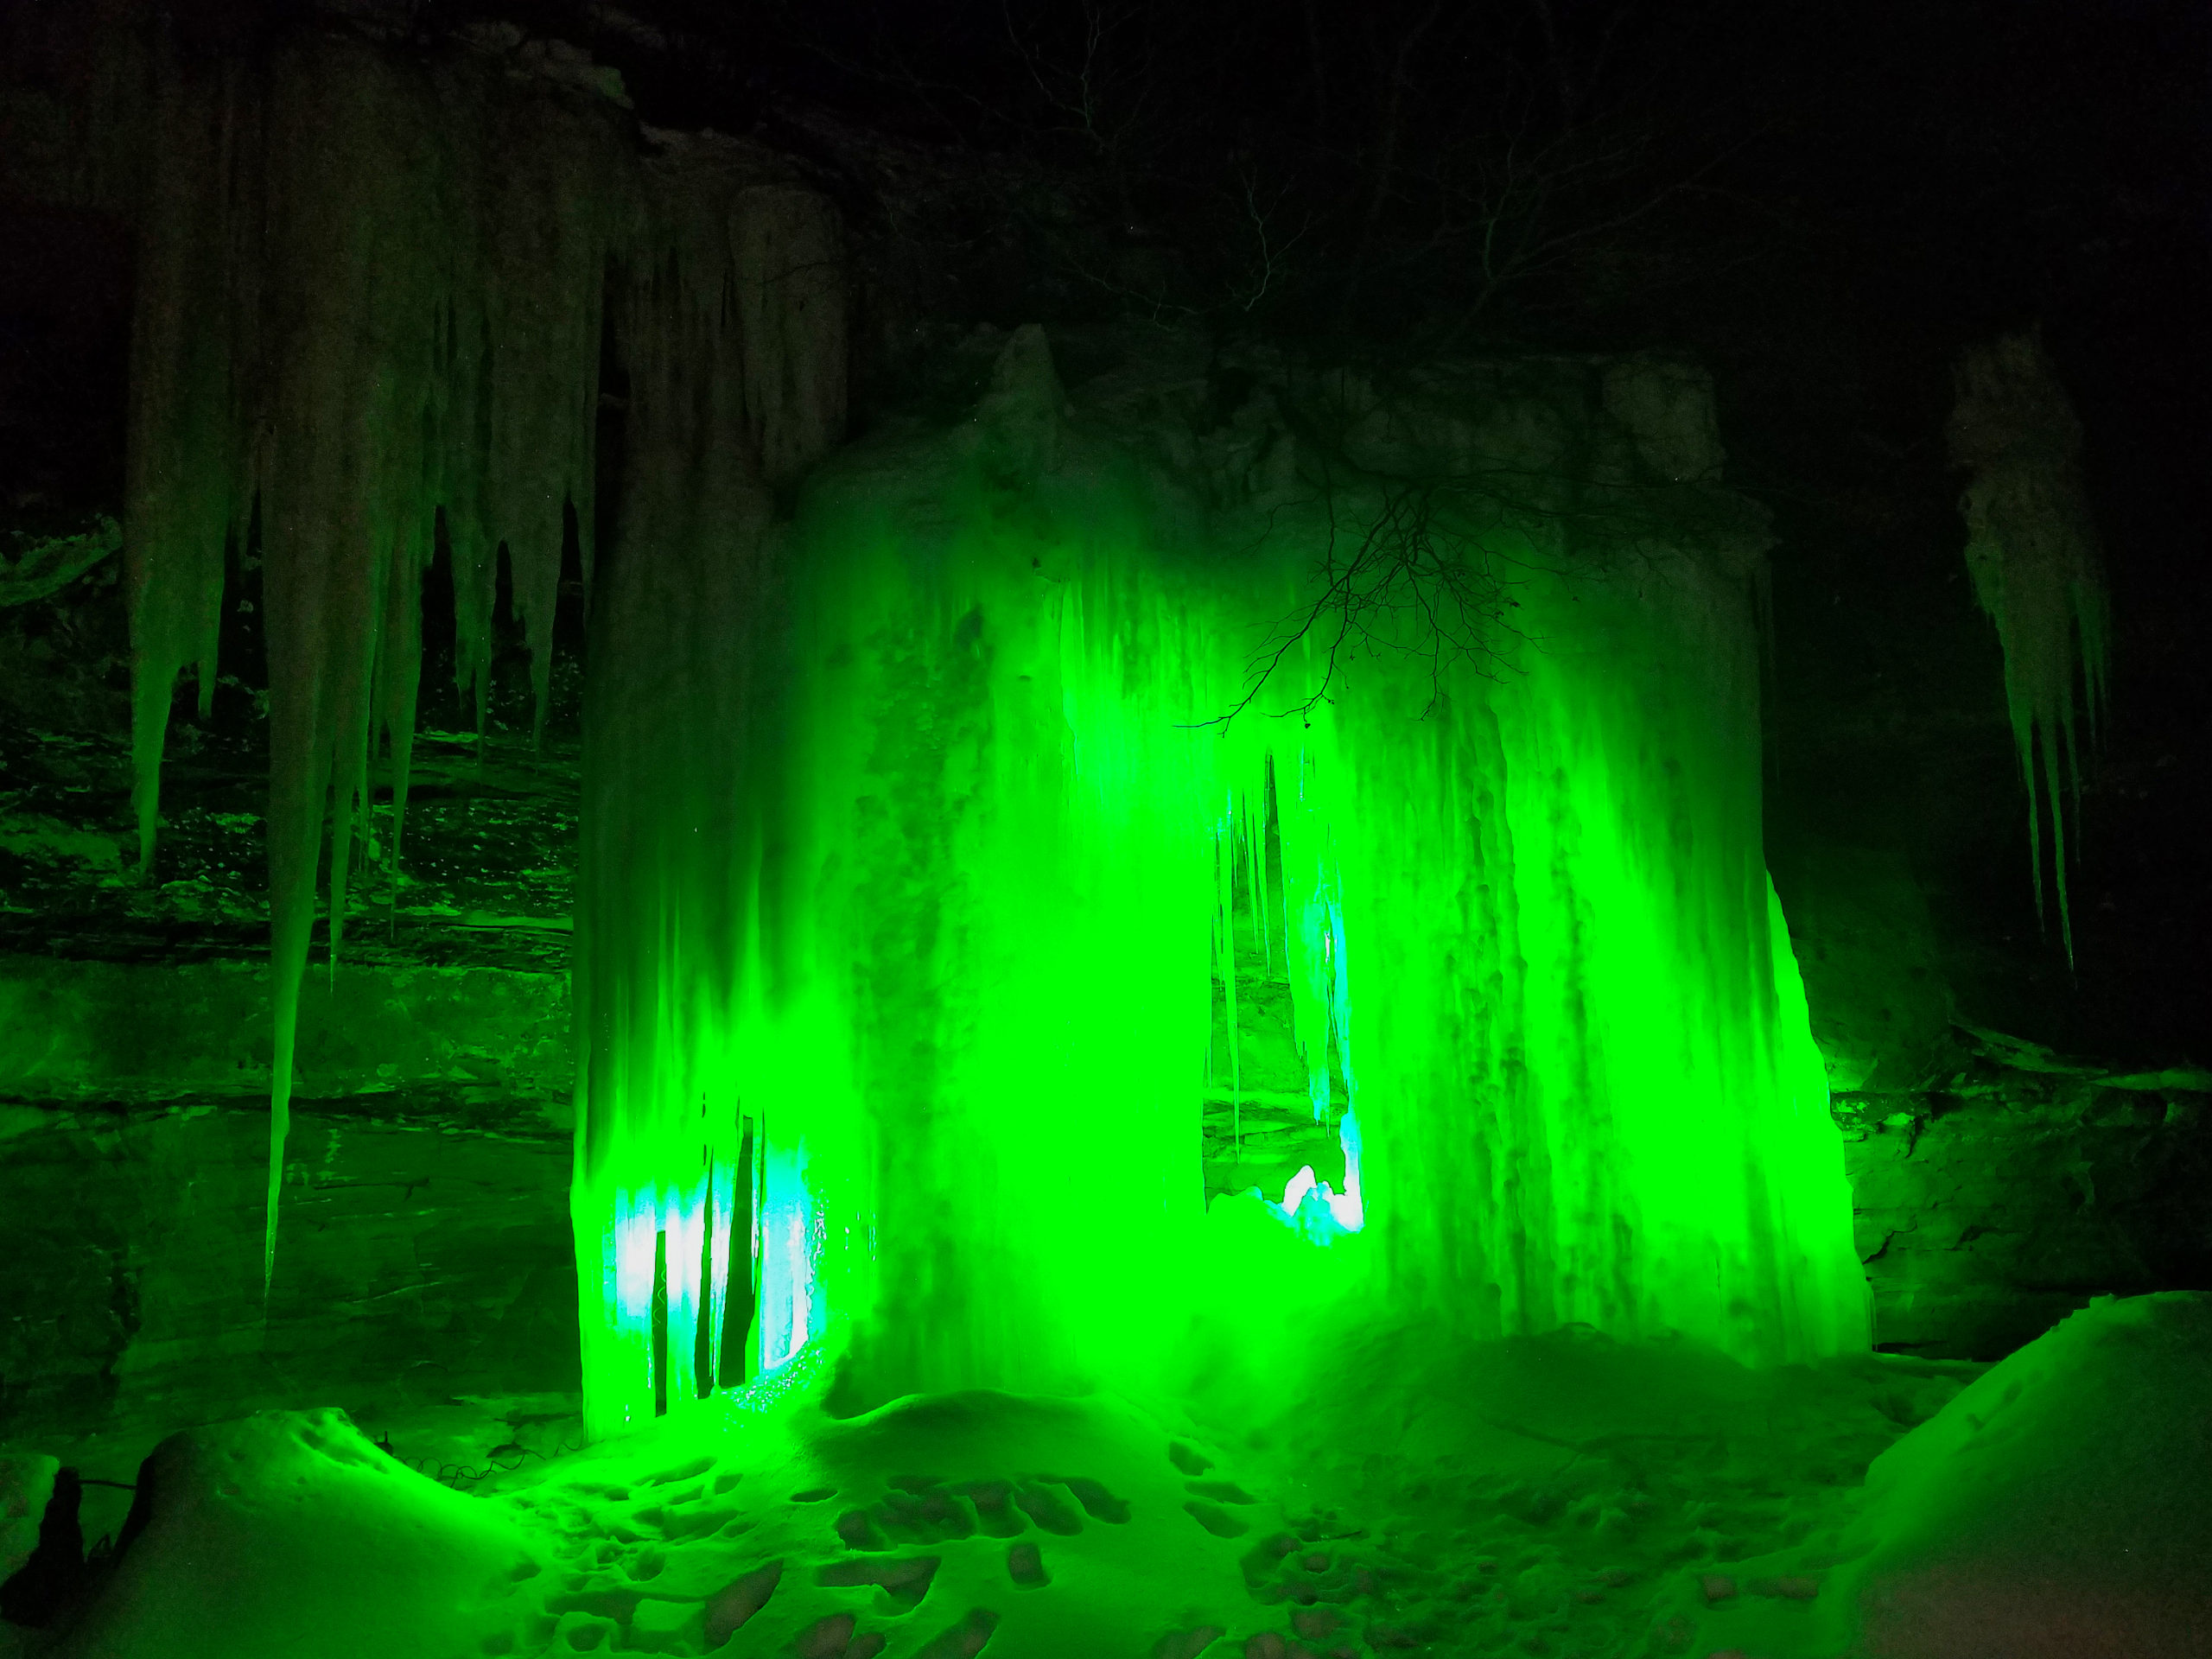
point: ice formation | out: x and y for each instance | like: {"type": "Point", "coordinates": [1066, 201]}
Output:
{"type": "Point", "coordinates": [369, 325]}
{"type": "Point", "coordinates": [732, 344]}
{"type": "Point", "coordinates": [2031, 547]}
{"type": "Point", "coordinates": [994, 839]}
{"type": "Point", "coordinates": [915, 845]}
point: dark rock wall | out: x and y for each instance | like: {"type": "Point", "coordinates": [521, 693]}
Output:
{"type": "Point", "coordinates": [1989, 1210]}
{"type": "Point", "coordinates": [416, 1259]}
{"type": "Point", "coordinates": [425, 1249]}
{"type": "Point", "coordinates": [492, 1046]}
{"type": "Point", "coordinates": [425, 1244]}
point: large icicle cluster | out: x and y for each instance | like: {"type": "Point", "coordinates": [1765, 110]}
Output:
{"type": "Point", "coordinates": [732, 341]}
{"type": "Point", "coordinates": [913, 844]}
{"type": "Point", "coordinates": [982, 904]}
{"type": "Point", "coordinates": [369, 325]}
{"type": "Point", "coordinates": [2031, 546]}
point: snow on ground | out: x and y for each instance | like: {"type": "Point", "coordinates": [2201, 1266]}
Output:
{"type": "Point", "coordinates": [1565, 1495]}
{"type": "Point", "coordinates": [2059, 1508]}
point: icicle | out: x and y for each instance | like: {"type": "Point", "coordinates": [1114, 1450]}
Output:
{"type": "Point", "coordinates": [354, 285]}
{"type": "Point", "coordinates": [546, 247]}
{"type": "Point", "coordinates": [2031, 547]}
{"type": "Point", "coordinates": [1255, 875]}
{"type": "Point", "coordinates": [903, 828]}
{"type": "Point", "coordinates": [1225, 865]}
{"type": "Point", "coordinates": [311, 276]}
{"type": "Point", "coordinates": [399, 675]}
{"type": "Point", "coordinates": [187, 496]}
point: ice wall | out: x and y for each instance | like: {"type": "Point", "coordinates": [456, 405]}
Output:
{"type": "Point", "coordinates": [1586, 1086]}
{"type": "Point", "coordinates": [1002, 837]}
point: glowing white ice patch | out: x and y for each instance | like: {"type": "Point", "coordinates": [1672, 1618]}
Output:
{"type": "Point", "coordinates": [1312, 1207]}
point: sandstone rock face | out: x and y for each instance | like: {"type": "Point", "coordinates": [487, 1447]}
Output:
{"type": "Point", "coordinates": [495, 1043]}
{"type": "Point", "coordinates": [1989, 1211]}
{"type": "Point", "coordinates": [1874, 982]}
{"type": "Point", "coordinates": [424, 1251]}
{"type": "Point", "coordinates": [419, 1255]}
{"type": "Point", "coordinates": [425, 1243]}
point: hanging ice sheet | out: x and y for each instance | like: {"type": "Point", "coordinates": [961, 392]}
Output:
{"type": "Point", "coordinates": [693, 1192]}
{"type": "Point", "coordinates": [1527, 927]}
{"type": "Point", "coordinates": [369, 293]}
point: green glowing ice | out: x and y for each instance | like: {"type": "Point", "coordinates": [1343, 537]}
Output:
{"type": "Point", "coordinates": [914, 849]}
{"type": "Point", "coordinates": [981, 848]}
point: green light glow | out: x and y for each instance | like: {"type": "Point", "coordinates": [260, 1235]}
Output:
{"type": "Point", "coordinates": [916, 860]}
{"type": "Point", "coordinates": [978, 861]}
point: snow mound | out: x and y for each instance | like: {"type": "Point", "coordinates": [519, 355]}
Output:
{"type": "Point", "coordinates": [1563, 1494]}
{"type": "Point", "coordinates": [2060, 1505]}
{"type": "Point", "coordinates": [929, 1529]}
{"type": "Point", "coordinates": [935, 1526]}
{"type": "Point", "coordinates": [289, 1535]}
